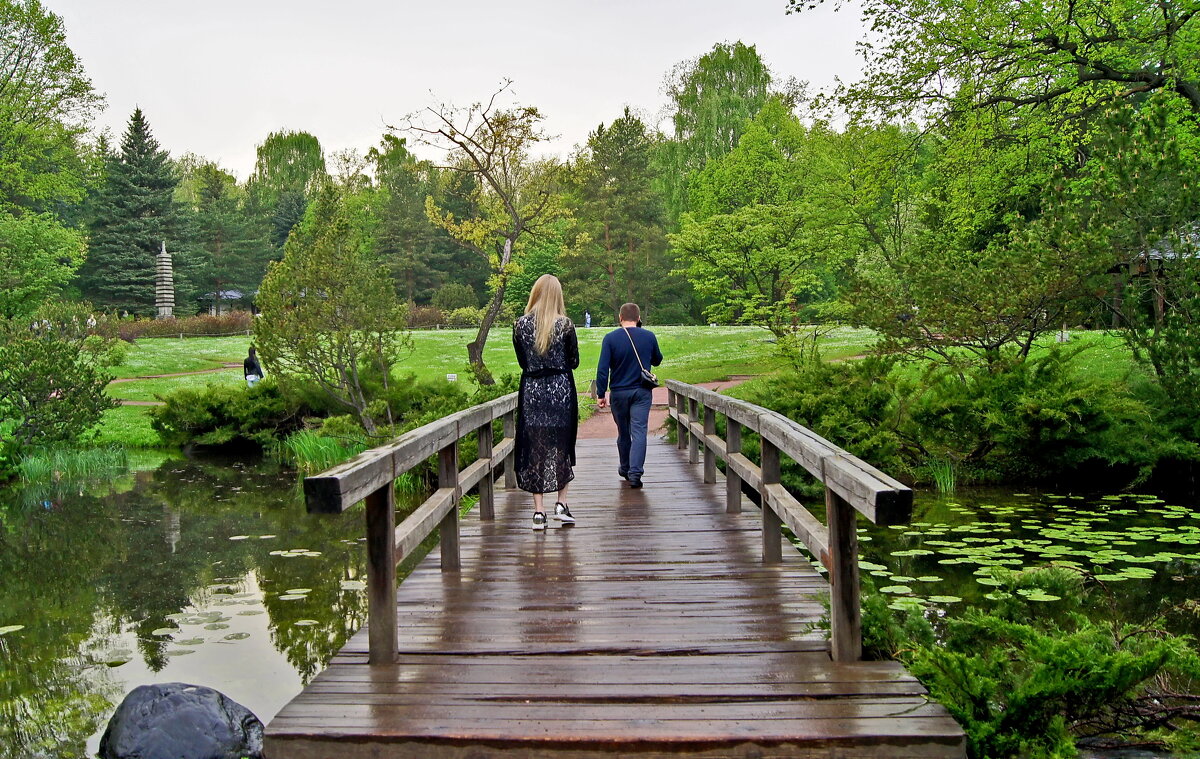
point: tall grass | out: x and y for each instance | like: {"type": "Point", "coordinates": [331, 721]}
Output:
{"type": "Point", "coordinates": [945, 477]}
{"type": "Point", "coordinates": [53, 464]}
{"type": "Point", "coordinates": [310, 452]}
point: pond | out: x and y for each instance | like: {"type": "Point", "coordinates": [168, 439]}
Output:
{"type": "Point", "coordinates": [205, 571]}
{"type": "Point", "coordinates": [1143, 552]}
{"type": "Point", "coordinates": [209, 571]}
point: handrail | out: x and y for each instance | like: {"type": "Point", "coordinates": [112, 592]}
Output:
{"type": "Point", "coordinates": [369, 477]}
{"type": "Point", "coordinates": [850, 483]}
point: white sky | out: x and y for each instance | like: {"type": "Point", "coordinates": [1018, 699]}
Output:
{"type": "Point", "coordinates": [215, 77]}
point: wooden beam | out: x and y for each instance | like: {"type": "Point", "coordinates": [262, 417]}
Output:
{"type": "Point", "coordinates": [800, 521]}
{"type": "Point", "coordinates": [845, 615]}
{"type": "Point", "coordinates": [487, 507]}
{"type": "Point", "coordinates": [381, 575]}
{"type": "Point", "coordinates": [733, 481]}
{"type": "Point", "coordinates": [710, 431]}
{"type": "Point", "coordinates": [448, 479]}
{"type": "Point", "coordinates": [772, 536]}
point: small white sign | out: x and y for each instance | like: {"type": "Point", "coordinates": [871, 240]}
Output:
{"type": "Point", "coordinates": [452, 378]}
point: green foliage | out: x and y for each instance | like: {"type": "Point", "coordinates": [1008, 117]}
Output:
{"type": "Point", "coordinates": [38, 258]}
{"type": "Point", "coordinates": [329, 312]}
{"type": "Point", "coordinates": [217, 415]}
{"type": "Point", "coordinates": [852, 404]}
{"type": "Point", "coordinates": [52, 376]}
{"type": "Point", "coordinates": [311, 452]}
{"type": "Point", "coordinates": [62, 463]}
{"type": "Point", "coordinates": [135, 214]}
{"type": "Point", "coordinates": [1031, 420]}
{"type": "Point", "coordinates": [1022, 682]}
{"type": "Point", "coordinates": [714, 96]}
{"type": "Point", "coordinates": [455, 295]}
{"type": "Point", "coordinates": [761, 245]}
{"type": "Point", "coordinates": [619, 253]}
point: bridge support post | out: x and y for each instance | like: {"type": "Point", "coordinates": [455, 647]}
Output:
{"type": "Point", "coordinates": [448, 478]}
{"type": "Point", "coordinates": [710, 456]}
{"type": "Point", "coordinates": [510, 461]}
{"type": "Point", "coordinates": [381, 575]}
{"type": "Point", "coordinates": [772, 524]}
{"type": "Point", "coordinates": [681, 408]}
{"type": "Point", "coordinates": [487, 507]}
{"type": "Point", "coordinates": [845, 615]}
{"type": "Point", "coordinates": [733, 483]}
{"type": "Point", "coordinates": [693, 441]}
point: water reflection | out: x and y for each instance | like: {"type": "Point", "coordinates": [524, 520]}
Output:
{"type": "Point", "coordinates": [1144, 552]}
{"type": "Point", "coordinates": [180, 573]}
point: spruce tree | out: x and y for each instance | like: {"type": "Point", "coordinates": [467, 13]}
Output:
{"type": "Point", "coordinates": [134, 215]}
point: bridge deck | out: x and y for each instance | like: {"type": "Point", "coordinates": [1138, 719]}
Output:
{"type": "Point", "coordinates": [651, 628]}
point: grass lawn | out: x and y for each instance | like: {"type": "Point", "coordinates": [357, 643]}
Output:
{"type": "Point", "coordinates": [693, 354]}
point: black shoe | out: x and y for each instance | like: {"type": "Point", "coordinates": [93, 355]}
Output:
{"type": "Point", "coordinates": [635, 482]}
{"type": "Point", "coordinates": [563, 514]}
{"type": "Point", "coordinates": [623, 473]}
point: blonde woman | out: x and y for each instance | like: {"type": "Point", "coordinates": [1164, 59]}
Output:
{"type": "Point", "coordinates": [547, 407]}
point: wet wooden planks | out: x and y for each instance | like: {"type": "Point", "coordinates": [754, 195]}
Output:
{"type": "Point", "coordinates": [651, 628]}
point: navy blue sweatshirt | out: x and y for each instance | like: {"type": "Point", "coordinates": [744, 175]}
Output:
{"type": "Point", "coordinates": [618, 361]}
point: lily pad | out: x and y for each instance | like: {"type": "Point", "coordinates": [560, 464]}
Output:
{"type": "Point", "coordinates": [298, 591]}
{"type": "Point", "coordinates": [165, 631]}
{"type": "Point", "coordinates": [10, 629]}
{"type": "Point", "coordinates": [360, 585]}
{"type": "Point", "coordinates": [217, 626]}
{"type": "Point", "coordinates": [945, 599]}
{"type": "Point", "coordinates": [306, 622]}
{"type": "Point", "coordinates": [250, 612]}
{"type": "Point", "coordinates": [896, 589]}
{"type": "Point", "coordinates": [237, 636]}
{"type": "Point", "coordinates": [293, 597]}
{"type": "Point", "coordinates": [239, 537]}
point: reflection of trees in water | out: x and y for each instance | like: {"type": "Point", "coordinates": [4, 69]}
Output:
{"type": "Point", "coordinates": [339, 613]}
{"type": "Point", "coordinates": [49, 704]}
{"type": "Point", "coordinates": [88, 566]}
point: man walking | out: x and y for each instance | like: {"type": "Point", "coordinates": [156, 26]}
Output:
{"type": "Point", "coordinates": [623, 354]}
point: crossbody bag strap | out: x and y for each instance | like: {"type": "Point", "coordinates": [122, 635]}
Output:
{"type": "Point", "coordinates": [634, 346]}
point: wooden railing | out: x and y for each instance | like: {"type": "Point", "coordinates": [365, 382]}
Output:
{"type": "Point", "coordinates": [850, 485]}
{"type": "Point", "coordinates": [369, 477]}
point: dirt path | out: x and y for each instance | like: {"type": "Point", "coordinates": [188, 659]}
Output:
{"type": "Point", "coordinates": [224, 368]}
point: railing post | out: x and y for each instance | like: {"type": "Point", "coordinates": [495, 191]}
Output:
{"type": "Point", "coordinates": [448, 478]}
{"type": "Point", "coordinates": [487, 509]}
{"type": "Point", "coordinates": [381, 575]}
{"type": "Point", "coordinates": [681, 408]}
{"type": "Point", "coordinates": [710, 456]}
{"type": "Point", "coordinates": [772, 524]}
{"type": "Point", "coordinates": [693, 441]}
{"type": "Point", "coordinates": [510, 461]}
{"type": "Point", "coordinates": [733, 483]}
{"type": "Point", "coordinates": [845, 616]}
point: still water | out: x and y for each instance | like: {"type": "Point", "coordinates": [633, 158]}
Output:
{"type": "Point", "coordinates": [209, 571]}
{"type": "Point", "coordinates": [204, 571]}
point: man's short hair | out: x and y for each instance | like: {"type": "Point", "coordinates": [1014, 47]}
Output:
{"type": "Point", "coordinates": [630, 312]}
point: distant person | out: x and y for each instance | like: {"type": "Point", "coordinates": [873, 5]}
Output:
{"type": "Point", "coordinates": [623, 354]}
{"type": "Point", "coordinates": [251, 369]}
{"type": "Point", "coordinates": [587, 319]}
{"type": "Point", "coordinates": [547, 405]}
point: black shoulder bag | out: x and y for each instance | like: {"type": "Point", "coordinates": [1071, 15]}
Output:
{"type": "Point", "coordinates": [649, 381]}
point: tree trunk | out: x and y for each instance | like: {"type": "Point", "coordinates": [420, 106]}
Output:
{"type": "Point", "coordinates": [475, 348]}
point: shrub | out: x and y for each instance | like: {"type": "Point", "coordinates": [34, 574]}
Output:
{"type": "Point", "coordinates": [424, 317]}
{"type": "Point", "coordinates": [220, 414]}
{"type": "Point", "coordinates": [455, 295]}
{"type": "Point", "coordinates": [1024, 682]}
{"type": "Point", "coordinates": [231, 323]}
{"type": "Point", "coordinates": [464, 317]}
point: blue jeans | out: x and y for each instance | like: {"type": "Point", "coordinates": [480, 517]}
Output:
{"type": "Point", "coordinates": [631, 412]}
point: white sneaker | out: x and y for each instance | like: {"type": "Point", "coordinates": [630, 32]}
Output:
{"type": "Point", "coordinates": [539, 520]}
{"type": "Point", "coordinates": [563, 514]}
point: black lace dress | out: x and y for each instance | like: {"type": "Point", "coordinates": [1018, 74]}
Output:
{"type": "Point", "coordinates": [547, 407]}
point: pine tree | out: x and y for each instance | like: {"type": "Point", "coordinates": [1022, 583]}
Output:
{"type": "Point", "coordinates": [134, 215]}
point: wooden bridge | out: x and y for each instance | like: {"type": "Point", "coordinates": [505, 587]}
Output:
{"type": "Point", "coordinates": [675, 620]}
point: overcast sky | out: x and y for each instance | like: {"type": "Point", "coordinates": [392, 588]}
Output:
{"type": "Point", "coordinates": [215, 77]}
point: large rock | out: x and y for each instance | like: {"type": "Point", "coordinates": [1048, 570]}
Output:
{"type": "Point", "coordinates": [181, 721]}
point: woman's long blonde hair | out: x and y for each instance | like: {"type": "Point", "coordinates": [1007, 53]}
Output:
{"type": "Point", "coordinates": [546, 305]}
